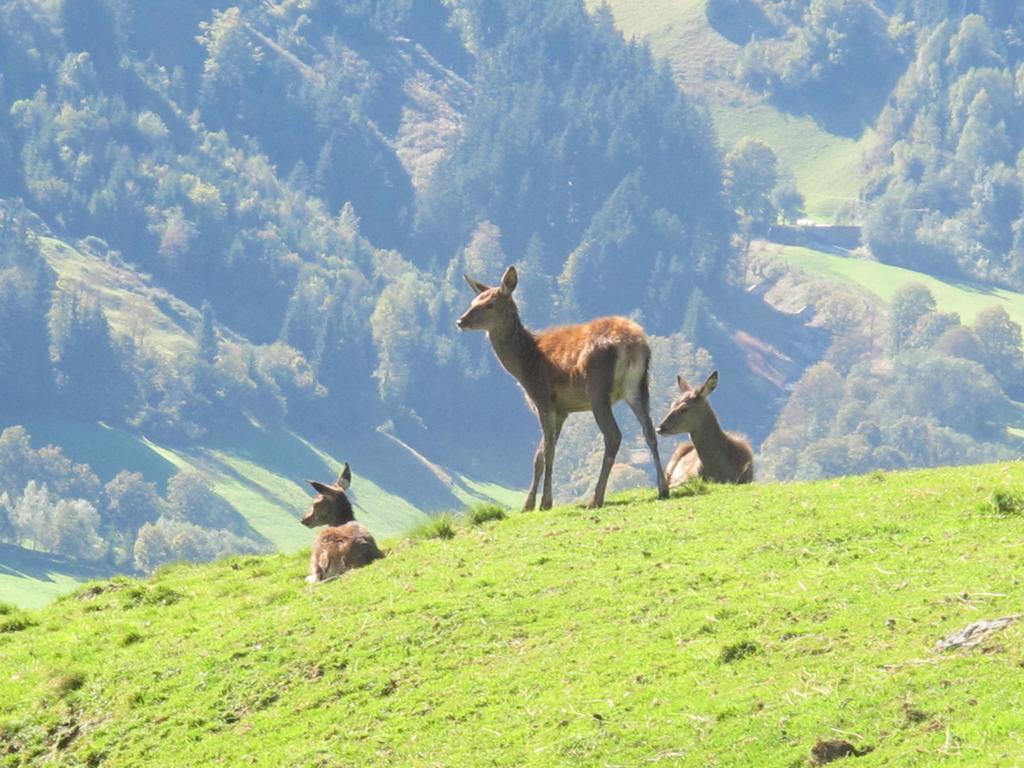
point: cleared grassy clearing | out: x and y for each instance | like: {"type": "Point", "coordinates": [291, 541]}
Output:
{"type": "Point", "coordinates": [150, 316]}
{"type": "Point", "coordinates": [884, 280]}
{"type": "Point", "coordinates": [827, 167]}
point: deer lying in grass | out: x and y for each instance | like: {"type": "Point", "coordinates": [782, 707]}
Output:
{"type": "Point", "coordinates": [345, 544]}
{"type": "Point", "coordinates": [586, 367]}
{"type": "Point", "coordinates": [714, 454]}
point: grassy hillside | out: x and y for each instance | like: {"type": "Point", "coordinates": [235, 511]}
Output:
{"type": "Point", "coordinates": [884, 280]}
{"type": "Point", "coordinates": [733, 628]}
{"type": "Point", "coordinates": [827, 167]}
{"type": "Point", "coordinates": [33, 579]}
{"type": "Point", "coordinates": [261, 475]}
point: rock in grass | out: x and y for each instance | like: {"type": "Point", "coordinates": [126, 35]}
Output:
{"type": "Point", "coordinates": [834, 749]}
{"type": "Point", "coordinates": [975, 634]}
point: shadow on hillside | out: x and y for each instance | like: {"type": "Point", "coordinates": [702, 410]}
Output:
{"type": "Point", "coordinates": [107, 450]}
{"type": "Point", "coordinates": [26, 564]}
{"type": "Point", "coordinates": [370, 454]}
{"type": "Point", "coordinates": [840, 103]}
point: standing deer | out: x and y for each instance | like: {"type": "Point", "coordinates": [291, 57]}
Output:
{"type": "Point", "coordinates": [344, 544]}
{"type": "Point", "coordinates": [586, 367]}
{"type": "Point", "coordinates": [714, 454]}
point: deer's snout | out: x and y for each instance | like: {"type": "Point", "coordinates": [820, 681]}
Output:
{"type": "Point", "coordinates": [665, 429]}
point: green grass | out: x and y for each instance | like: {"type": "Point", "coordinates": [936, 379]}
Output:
{"type": "Point", "coordinates": [827, 168]}
{"type": "Point", "coordinates": [471, 492]}
{"type": "Point", "coordinates": [884, 280]}
{"type": "Point", "coordinates": [32, 579]}
{"type": "Point", "coordinates": [735, 627]}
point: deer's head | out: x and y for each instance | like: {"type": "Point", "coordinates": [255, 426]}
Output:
{"type": "Point", "coordinates": [491, 306]}
{"type": "Point", "coordinates": [331, 505]}
{"type": "Point", "coordinates": [690, 408]}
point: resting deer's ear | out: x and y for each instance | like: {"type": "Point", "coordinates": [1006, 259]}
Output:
{"type": "Point", "coordinates": [322, 489]}
{"type": "Point", "coordinates": [709, 386]}
{"type": "Point", "coordinates": [476, 285]}
{"type": "Point", "coordinates": [345, 478]}
{"type": "Point", "coordinates": [509, 280]}
{"type": "Point", "coordinates": [683, 386]}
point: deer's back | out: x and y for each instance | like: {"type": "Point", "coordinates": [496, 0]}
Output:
{"type": "Point", "coordinates": [350, 546]}
{"type": "Point", "coordinates": [570, 351]}
{"type": "Point", "coordinates": [569, 347]}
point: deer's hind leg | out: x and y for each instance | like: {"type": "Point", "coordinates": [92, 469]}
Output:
{"type": "Point", "coordinates": [600, 379]}
{"type": "Point", "coordinates": [639, 400]}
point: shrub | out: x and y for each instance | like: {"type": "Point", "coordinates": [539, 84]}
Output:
{"type": "Point", "coordinates": [1003, 502]}
{"type": "Point", "coordinates": [737, 651]}
{"type": "Point", "coordinates": [441, 527]}
{"type": "Point", "coordinates": [696, 486]}
{"type": "Point", "coordinates": [484, 513]}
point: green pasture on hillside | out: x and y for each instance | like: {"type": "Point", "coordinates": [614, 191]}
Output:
{"type": "Point", "coordinates": [260, 475]}
{"type": "Point", "coordinates": [827, 167]}
{"type": "Point", "coordinates": [739, 626]}
{"type": "Point", "coordinates": [884, 280]}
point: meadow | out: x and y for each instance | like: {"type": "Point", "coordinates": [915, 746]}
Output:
{"type": "Point", "coordinates": [727, 626]}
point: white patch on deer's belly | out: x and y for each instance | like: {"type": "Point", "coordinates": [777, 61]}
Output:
{"type": "Point", "coordinates": [573, 399]}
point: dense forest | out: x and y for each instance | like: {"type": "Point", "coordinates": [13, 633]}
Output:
{"type": "Point", "coordinates": [302, 183]}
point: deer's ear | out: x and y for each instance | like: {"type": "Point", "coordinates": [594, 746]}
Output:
{"type": "Point", "coordinates": [476, 285]}
{"type": "Point", "coordinates": [683, 386]}
{"type": "Point", "coordinates": [323, 489]}
{"type": "Point", "coordinates": [345, 478]}
{"type": "Point", "coordinates": [509, 280]}
{"type": "Point", "coordinates": [709, 386]}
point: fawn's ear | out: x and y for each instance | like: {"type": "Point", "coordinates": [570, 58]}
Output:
{"type": "Point", "coordinates": [476, 285]}
{"type": "Point", "coordinates": [321, 488]}
{"type": "Point", "coordinates": [509, 280]}
{"type": "Point", "coordinates": [345, 478]}
{"type": "Point", "coordinates": [709, 386]}
{"type": "Point", "coordinates": [683, 386]}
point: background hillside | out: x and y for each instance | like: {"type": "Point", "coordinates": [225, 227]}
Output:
{"type": "Point", "coordinates": [232, 238]}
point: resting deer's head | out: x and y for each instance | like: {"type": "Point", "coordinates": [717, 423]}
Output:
{"type": "Point", "coordinates": [491, 306]}
{"type": "Point", "coordinates": [331, 505]}
{"type": "Point", "coordinates": [690, 408]}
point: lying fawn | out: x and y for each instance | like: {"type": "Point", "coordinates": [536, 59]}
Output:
{"type": "Point", "coordinates": [714, 454]}
{"type": "Point", "coordinates": [344, 544]}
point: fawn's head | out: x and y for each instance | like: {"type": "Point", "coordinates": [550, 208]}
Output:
{"type": "Point", "coordinates": [491, 306]}
{"type": "Point", "coordinates": [331, 505]}
{"type": "Point", "coordinates": [690, 408]}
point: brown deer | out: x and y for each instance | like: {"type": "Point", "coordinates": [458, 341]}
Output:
{"type": "Point", "coordinates": [714, 454]}
{"type": "Point", "coordinates": [344, 544]}
{"type": "Point", "coordinates": [562, 370]}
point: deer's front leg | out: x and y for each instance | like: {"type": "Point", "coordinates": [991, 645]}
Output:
{"type": "Point", "coordinates": [538, 467]}
{"type": "Point", "coordinates": [552, 425]}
